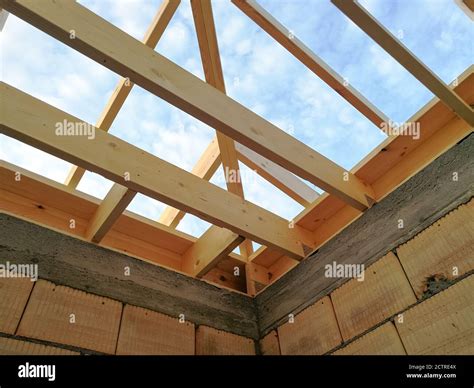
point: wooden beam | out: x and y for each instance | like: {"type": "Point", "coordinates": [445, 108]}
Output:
{"type": "Point", "coordinates": [277, 176]}
{"type": "Point", "coordinates": [113, 205]}
{"type": "Point", "coordinates": [3, 18]}
{"type": "Point", "coordinates": [421, 201]}
{"type": "Point", "coordinates": [469, 4]}
{"type": "Point", "coordinates": [124, 86]}
{"type": "Point", "coordinates": [304, 54]}
{"type": "Point", "coordinates": [405, 57]}
{"type": "Point", "coordinates": [213, 246]}
{"type": "Point", "coordinates": [211, 63]}
{"type": "Point", "coordinates": [35, 123]}
{"type": "Point", "coordinates": [205, 168]}
{"type": "Point", "coordinates": [388, 166]}
{"type": "Point", "coordinates": [48, 203]}
{"type": "Point", "coordinates": [116, 50]}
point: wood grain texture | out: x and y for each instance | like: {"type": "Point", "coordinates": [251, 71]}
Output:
{"type": "Point", "coordinates": [442, 251]}
{"type": "Point", "coordinates": [48, 317]}
{"type": "Point", "coordinates": [101, 271]}
{"type": "Point", "coordinates": [382, 341]}
{"type": "Point", "coordinates": [420, 201]}
{"type": "Point", "coordinates": [314, 331]}
{"type": "Point", "coordinates": [14, 293]}
{"type": "Point", "coordinates": [112, 158]}
{"type": "Point", "coordinates": [212, 342]}
{"type": "Point", "coordinates": [372, 27]}
{"type": "Point", "coordinates": [145, 332]}
{"type": "Point", "coordinates": [385, 290]}
{"type": "Point", "coordinates": [17, 347]}
{"type": "Point", "coordinates": [303, 53]}
{"type": "Point", "coordinates": [442, 324]}
{"type": "Point", "coordinates": [119, 52]}
{"type": "Point", "coordinates": [124, 86]}
{"type": "Point", "coordinates": [394, 161]}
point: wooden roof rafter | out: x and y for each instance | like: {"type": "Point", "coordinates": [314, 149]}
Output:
{"type": "Point", "coordinates": [240, 133]}
{"type": "Point", "coordinates": [211, 62]}
{"type": "Point", "coordinates": [135, 169]}
{"type": "Point", "coordinates": [387, 41]}
{"type": "Point", "coordinates": [300, 51]}
{"type": "Point", "coordinates": [108, 45]}
{"type": "Point", "coordinates": [365, 21]}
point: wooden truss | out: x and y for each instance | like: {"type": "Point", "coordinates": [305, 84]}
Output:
{"type": "Point", "coordinates": [241, 135]}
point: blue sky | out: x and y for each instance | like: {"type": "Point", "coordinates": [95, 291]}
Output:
{"type": "Point", "coordinates": [259, 73]}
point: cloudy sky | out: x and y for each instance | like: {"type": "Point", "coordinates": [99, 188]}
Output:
{"type": "Point", "coordinates": [259, 73]}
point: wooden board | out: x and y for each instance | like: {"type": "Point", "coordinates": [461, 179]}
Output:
{"type": "Point", "coordinates": [314, 331]}
{"type": "Point", "coordinates": [359, 305]}
{"type": "Point", "coordinates": [301, 52]}
{"type": "Point", "coordinates": [118, 51]}
{"type": "Point", "coordinates": [393, 162]}
{"type": "Point", "coordinates": [442, 324]}
{"type": "Point", "coordinates": [210, 341]}
{"type": "Point", "coordinates": [110, 156]}
{"type": "Point", "coordinates": [383, 340]}
{"type": "Point", "coordinates": [124, 87]}
{"type": "Point", "coordinates": [420, 202]}
{"type": "Point", "coordinates": [145, 332]}
{"type": "Point", "coordinates": [14, 293]}
{"type": "Point", "coordinates": [53, 205]}
{"type": "Point", "coordinates": [213, 246]}
{"type": "Point", "coordinates": [48, 317]}
{"type": "Point", "coordinates": [439, 250]}
{"type": "Point", "coordinates": [393, 46]}
{"type": "Point", "coordinates": [269, 345]}
{"type": "Point", "coordinates": [16, 347]}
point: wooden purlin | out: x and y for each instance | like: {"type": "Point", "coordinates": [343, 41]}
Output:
{"type": "Point", "coordinates": [303, 53]}
{"type": "Point", "coordinates": [176, 187]}
{"type": "Point", "coordinates": [124, 86]}
{"type": "Point", "coordinates": [388, 166]}
{"type": "Point", "coordinates": [108, 45]}
{"type": "Point", "coordinates": [53, 205]}
{"type": "Point", "coordinates": [328, 214]}
{"type": "Point", "coordinates": [119, 197]}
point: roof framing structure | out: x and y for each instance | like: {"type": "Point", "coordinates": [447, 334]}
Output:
{"type": "Point", "coordinates": [241, 135]}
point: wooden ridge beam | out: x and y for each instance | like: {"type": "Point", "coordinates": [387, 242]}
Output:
{"type": "Point", "coordinates": [213, 246]}
{"type": "Point", "coordinates": [367, 23]}
{"type": "Point", "coordinates": [304, 54]}
{"type": "Point", "coordinates": [116, 50]}
{"type": "Point", "coordinates": [35, 123]}
{"type": "Point", "coordinates": [124, 86]}
{"type": "Point", "coordinates": [113, 205]}
{"type": "Point", "coordinates": [211, 63]}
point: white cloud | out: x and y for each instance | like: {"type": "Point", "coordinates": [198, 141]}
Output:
{"type": "Point", "coordinates": [259, 73]}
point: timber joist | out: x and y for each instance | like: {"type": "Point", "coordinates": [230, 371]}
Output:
{"type": "Point", "coordinates": [241, 135]}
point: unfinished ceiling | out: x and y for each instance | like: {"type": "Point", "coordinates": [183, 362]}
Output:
{"type": "Point", "coordinates": [326, 193]}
